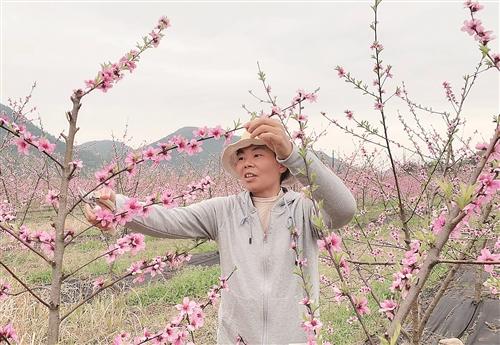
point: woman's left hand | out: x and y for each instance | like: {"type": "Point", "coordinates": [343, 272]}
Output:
{"type": "Point", "coordinates": [272, 133]}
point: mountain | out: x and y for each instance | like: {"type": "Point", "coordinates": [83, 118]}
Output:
{"type": "Point", "coordinates": [212, 149]}
{"type": "Point", "coordinates": [95, 154]}
{"type": "Point", "coordinates": [35, 130]}
{"type": "Point", "coordinates": [98, 152]}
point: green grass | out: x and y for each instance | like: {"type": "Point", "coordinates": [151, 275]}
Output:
{"type": "Point", "coordinates": [39, 277]}
{"type": "Point", "coordinates": [194, 282]}
{"type": "Point", "coordinates": [336, 316]}
{"type": "Point", "coordinates": [90, 245]}
{"type": "Point", "coordinates": [209, 246]}
{"type": "Point", "coordinates": [83, 252]}
{"type": "Point", "coordinates": [99, 267]}
{"type": "Point", "coordinates": [437, 275]}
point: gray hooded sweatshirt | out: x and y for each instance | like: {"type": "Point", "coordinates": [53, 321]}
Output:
{"type": "Point", "coordinates": [262, 302]}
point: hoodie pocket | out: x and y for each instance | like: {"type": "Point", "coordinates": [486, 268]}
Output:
{"type": "Point", "coordinates": [285, 316]}
{"type": "Point", "coordinates": [240, 316]}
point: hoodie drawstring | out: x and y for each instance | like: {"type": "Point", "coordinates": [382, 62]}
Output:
{"type": "Point", "coordinates": [246, 219]}
{"type": "Point", "coordinates": [289, 222]}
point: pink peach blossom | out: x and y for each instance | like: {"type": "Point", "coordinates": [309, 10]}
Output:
{"type": "Point", "coordinates": [22, 146]}
{"type": "Point", "coordinates": [217, 132]}
{"type": "Point", "coordinates": [156, 266]}
{"type": "Point", "coordinates": [486, 255]}
{"type": "Point", "coordinates": [201, 132]}
{"type": "Point", "coordinates": [4, 290]}
{"type": "Point", "coordinates": [331, 242]}
{"type": "Point", "coordinates": [187, 307]}
{"type": "Point", "coordinates": [349, 114]}
{"type": "Point", "coordinates": [52, 198]}
{"type": "Point", "coordinates": [193, 147]}
{"type": "Point", "coordinates": [8, 332]}
{"type": "Point", "coordinates": [473, 6]}
{"type": "Point", "coordinates": [122, 339]}
{"type": "Point", "coordinates": [340, 71]}
{"type": "Point", "coordinates": [155, 38]}
{"type": "Point", "coordinates": [45, 146]}
{"type": "Point", "coordinates": [98, 283]}
{"type": "Point", "coordinates": [388, 307]}
{"type": "Point", "coordinates": [104, 217]}
{"type": "Point", "coordinates": [163, 23]}
{"type": "Point", "coordinates": [490, 184]}
{"type": "Point", "coordinates": [312, 325]}
{"type": "Point", "coordinates": [361, 304]}
{"type": "Point", "coordinates": [133, 206]}
{"type": "Point", "coordinates": [472, 26]}
{"type": "Point", "coordinates": [150, 153]}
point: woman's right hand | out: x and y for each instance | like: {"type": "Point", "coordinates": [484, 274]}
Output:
{"type": "Point", "coordinates": [105, 198]}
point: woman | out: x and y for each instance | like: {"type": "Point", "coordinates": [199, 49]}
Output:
{"type": "Point", "coordinates": [252, 230]}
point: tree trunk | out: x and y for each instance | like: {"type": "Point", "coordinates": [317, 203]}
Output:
{"type": "Point", "coordinates": [57, 268]}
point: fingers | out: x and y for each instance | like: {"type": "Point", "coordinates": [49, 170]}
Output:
{"type": "Point", "coordinates": [105, 193]}
{"type": "Point", "coordinates": [250, 126]}
{"type": "Point", "coordinates": [264, 128]}
{"type": "Point", "coordinates": [107, 203]}
{"type": "Point", "coordinates": [89, 214]}
{"type": "Point", "coordinates": [106, 197]}
{"type": "Point", "coordinates": [274, 138]}
{"type": "Point", "coordinates": [92, 219]}
{"type": "Point", "coordinates": [273, 134]}
{"type": "Point", "coordinates": [270, 140]}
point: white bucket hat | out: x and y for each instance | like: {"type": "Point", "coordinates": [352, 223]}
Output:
{"type": "Point", "coordinates": [229, 158]}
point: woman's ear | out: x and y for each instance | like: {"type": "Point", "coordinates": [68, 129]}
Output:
{"type": "Point", "coordinates": [282, 168]}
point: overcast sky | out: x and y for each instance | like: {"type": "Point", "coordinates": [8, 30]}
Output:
{"type": "Point", "coordinates": [202, 70]}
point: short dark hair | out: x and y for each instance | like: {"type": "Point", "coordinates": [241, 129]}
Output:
{"type": "Point", "coordinates": [284, 175]}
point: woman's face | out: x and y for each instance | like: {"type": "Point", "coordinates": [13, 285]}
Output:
{"type": "Point", "coordinates": [258, 170]}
